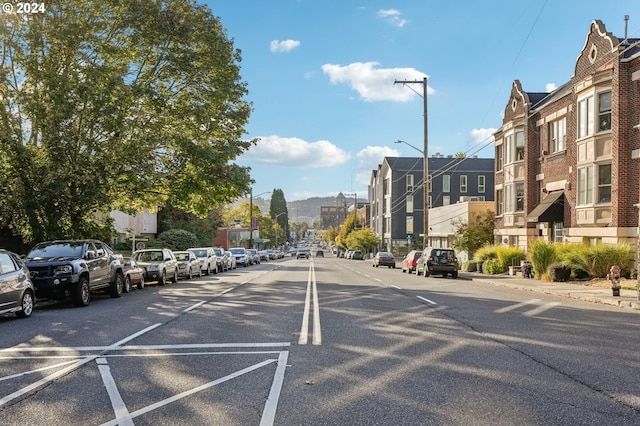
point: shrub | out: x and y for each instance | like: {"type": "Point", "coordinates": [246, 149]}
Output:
{"type": "Point", "coordinates": [559, 272]}
{"type": "Point", "coordinates": [485, 253]}
{"type": "Point", "coordinates": [178, 239]}
{"type": "Point", "coordinates": [470, 266]}
{"type": "Point", "coordinates": [492, 266]}
{"type": "Point", "coordinates": [509, 256]}
{"type": "Point", "coordinates": [597, 260]}
{"type": "Point", "coordinates": [542, 254]}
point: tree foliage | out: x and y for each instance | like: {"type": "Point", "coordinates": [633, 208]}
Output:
{"type": "Point", "coordinates": [470, 236]}
{"type": "Point", "coordinates": [279, 212]}
{"type": "Point", "coordinates": [347, 227]}
{"type": "Point", "coordinates": [117, 106]}
{"type": "Point", "coordinates": [178, 239]}
{"type": "Point", "coordinates": [362, 239]}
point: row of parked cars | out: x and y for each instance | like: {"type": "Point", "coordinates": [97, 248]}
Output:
{"type": "Point", "coordinates": [76, 268]}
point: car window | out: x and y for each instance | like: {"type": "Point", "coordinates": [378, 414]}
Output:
{"type": "Point", "coordinates": [6, 264]}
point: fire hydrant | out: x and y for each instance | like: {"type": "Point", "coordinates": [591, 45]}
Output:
{"type": "Point", "coordinates": [614, 277]}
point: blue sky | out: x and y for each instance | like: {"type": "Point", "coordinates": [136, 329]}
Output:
{"type": "Point", "coordinates": [321, 73]}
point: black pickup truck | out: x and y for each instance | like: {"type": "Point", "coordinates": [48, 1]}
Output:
{"type": "Point", "coordinates": [74, 268]}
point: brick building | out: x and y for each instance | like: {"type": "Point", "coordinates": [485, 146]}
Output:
{"type": "Point", "coordinates": [567, 166]}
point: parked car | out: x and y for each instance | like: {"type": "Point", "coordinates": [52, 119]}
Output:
{"type": "Point", "coordinates": [357, 255]}
{"type": "Point", "coordinates": [17, 293]}
{"type": "Point", "coordinates": [208, 259]}
{"type": "Point", "coordinates": [255, 257]}
{"type": "Point", "coordinates": [74, 268]}
{"type": "Point", "coordinates": [319, 253]}
{"type": "Point", "coordinates": [133, 274]}
{"type": "Point", "coordinates": [221, 259]}
{"type": "Point", "coordinates": [264, 255]}
{"type": "Point", "coordinates": [231, 259]}
{"type": "Point", "coordinates": [303, 252]}
{"type": "Point", "coordinates": [384, 258]}
{"type": "Point", "coordinates": [438, 261]}
{"type": "Point", "coordinates": [158, 264]}
{"type": "Point", "coordinates": [410, 261]}
{"type": "Point", "coordinates": [272, 254]}
{"type": "Point", "coordinates": [188, 264]}
{"type": "Point", "coordinates": [240, 253]}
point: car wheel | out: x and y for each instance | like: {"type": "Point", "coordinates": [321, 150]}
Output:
{"type": "Point", "coordinates": [80, 294]}
{"type": "Point", "coordinates": [127, 284]}
{"type": "Point", "coordinates": [190, 276]}
{"type": "Point", "coordinates": [117, 286]}
{"type": "Point", "coordinates": [426, 273]}
{"type": "Point", "coordinates": [175, 276]}
{"type": "Point", "coordinates": [208, 270]}
{"type": "Point", "coordinates": [163, 278]}
{"type": "Point", "coordinates": [26, 304]}
{"type": "Point", "coordinates": [454, 274]}
{"type": "Point", "coordinates": [141, 283]}
{"type": "Point", "coordinates": [199, 272]}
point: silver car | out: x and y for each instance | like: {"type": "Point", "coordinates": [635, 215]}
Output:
{"type": "Point", "coordinates": [159, 264]}
{"type": "Point", "coordinates": [188, 264]}
{"type": "Point", "coordinates": [17, 294]}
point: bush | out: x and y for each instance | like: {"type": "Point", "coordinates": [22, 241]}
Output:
{"type": "Point", "coordinates": [492, 266]}
{"type": "Point", "coordinates": [509, 256]}
{"type": "Point", "coordinates": [597, 260]}
{"type": "Point", "coordinates": [485, 253]}
{"type": "Point", "coordinates": [559, 272]}
{"type": "Point", "coordinates": [470, 266]}
{"type": "Point", "coordinates": [542, 254]}
{"type": "Point", "coordinates": [178, 239]}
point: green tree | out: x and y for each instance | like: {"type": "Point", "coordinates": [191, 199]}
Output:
{"type": "Point", "coordinates": [363, 239]}
{"type": "Point", "coordinates": [204, 229]}
{"type": "Point", "coordinates": [178, 239]}
{"type": "Point", "coordinates": [347, 227]}
{"type": "Point", "coordinates": [470, 236]}
{"type": "Point", "coordinates": [279, 212]}
{"type": "Point", "coordinates": [117, 106]}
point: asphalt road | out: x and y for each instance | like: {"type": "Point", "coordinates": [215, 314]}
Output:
{"type": "Point", "coordinates": [321, 342]}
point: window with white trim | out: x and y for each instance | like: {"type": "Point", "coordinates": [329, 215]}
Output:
{"type": "Point", "coordinates": [481, 184]}
{"type": "Point", "coordinates": [604, 111]}
{"type": "Point", "coordinates": [446, 183]}
{"type": "Point", "coordinates": [519, 187]}
{"type": "Point", "coordinates": [499, 202]}
{"type": "Point", "coordinates": [463, 183]}
{"type": "Point", "coordinates": [409, 183]}
{"type": "Point", "coordinates": [558, 231]}
{"type": "Point", "coordinates": [604, 183]}
{"type": "Point", "coordinates": [557, 134]}
{"type": "Point", "coordinates": [519, 151]}
{"type": "Point", "coordinates": [409, 203]}
{"type": "Point", "coordinates": [585, 185]}
{"type": "Point", "coordinates": [499, 157]}
{"type": "Point", "coordinates": [585, 116]}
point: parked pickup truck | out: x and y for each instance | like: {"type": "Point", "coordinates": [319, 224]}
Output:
{"type": "Point", "coordinates": [74, 268]}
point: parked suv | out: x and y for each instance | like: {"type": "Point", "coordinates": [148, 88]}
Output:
{"type": "Point", "coordinates": [410, 260]}
{"type": "Point", "coordinates": [207, 258]}
{"type": "Point", "coordinates": [438, 261]}
{"type": "Point", "coordinates": [74, 268]}
{"type": "Point", "coordinates": [159, 264]}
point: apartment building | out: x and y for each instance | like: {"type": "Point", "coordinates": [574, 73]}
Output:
{"type": "Point", "coordinates": [396, 194]}
{"type": "Point", "coordinates": [566, 162]}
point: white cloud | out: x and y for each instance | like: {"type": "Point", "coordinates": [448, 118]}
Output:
{"type": "Point", "coordinates": [295, 152]}
{"type": "Point", "coordinates": [278, 46]}
{"type": "Point", "coordinates": [392, 16]}
{"type": "Point", "coordinates": [550, 87]}
{"type": "Point", "coordinates": [480, 137]}
{"type": "Point", "coordinates": [368, 160]}
{"type": "Point", "coordinates": [376, 84]}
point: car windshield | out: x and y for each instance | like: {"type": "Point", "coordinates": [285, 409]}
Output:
{"type": "Point", "coordinates": [71, 249]}
{"type": "Point", "coordinates": [218, 251]}
{"type": "Point", "coordinates": [385, 255]}
{"type": "Point", "coordinates": [237, 251]}
{"type": "Point", "coordinates": [182, 256]}
{"type": "Point", "coordinates": [200, 253]}
{"type": "Point", "coordinates": [149, 256]}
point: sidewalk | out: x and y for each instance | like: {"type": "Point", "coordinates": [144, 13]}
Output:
{"type": "Point", "coordinates": [574, 290]}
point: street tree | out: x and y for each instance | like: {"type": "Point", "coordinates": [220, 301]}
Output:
{"type": "Point", "coordinates": [470, 235]}
{"type": "Point", "coordinates": [363, 239]}
{"type": "Point", "coordinates": [278, 210]}
{"type": "Point", "coordinates": [117, 106]}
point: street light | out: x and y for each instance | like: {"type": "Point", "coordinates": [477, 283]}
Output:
{"type": "Point", "coordinates": [276, 220]}
{"type": "Point", "coordinates": [251, 215]}
{"type": "Point", "coordinates": [425, 186]}
{"type": "Point", "coordinates": [425, 152]}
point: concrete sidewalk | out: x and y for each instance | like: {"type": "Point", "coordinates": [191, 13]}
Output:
{"type": "Point", "coordinates": [574, 290]}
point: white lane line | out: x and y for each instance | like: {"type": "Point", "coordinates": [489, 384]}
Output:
{"type": "Point", "coordinates": [192, 307]}
{"type": "Point", "coordinates": [179, 396]}
{"type": "Point", "coordinates": [37, 370]}
{"type": "Point", "coordinates": [541, 309]}
{"type": "Point", "coordinates": [317, 332]}
{"type": "Point", "coordinates": [269, 412]}
{"type": "Point", "coordinates": [146, 347]}
{"type": "Point", "coordinates": [516, 306]}
{"type": "Point", "coordinates": [304, 328]}
{"type": "Point", "coordinates": [119, 408]}
{"type": "Point", "coordinates": [426, 300]}
{"type": "Point", "coordinates": [38, 384]}
{"type": "Point", "coordinates": [395, 286]}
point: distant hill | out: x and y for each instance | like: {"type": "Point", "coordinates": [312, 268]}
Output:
{"type": "Point", "coordinates": [300, 210]}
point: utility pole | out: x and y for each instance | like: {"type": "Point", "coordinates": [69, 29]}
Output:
{"type": "Point", "coordinates": [425, 151]}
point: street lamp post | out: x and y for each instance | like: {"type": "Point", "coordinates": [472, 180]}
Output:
{"type": "Point", "coordinates": [425, 152]}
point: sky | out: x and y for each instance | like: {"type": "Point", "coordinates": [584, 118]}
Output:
{"type": "Point", "coordinates": [320, 76]}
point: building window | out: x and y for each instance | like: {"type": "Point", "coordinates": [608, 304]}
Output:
{"type": "Point", "coordinates": [519, 151]}
{"type": "Point", "coordinates": [481, 184]}
{"type": "Point", "coordinates": [385, 187]}
{"type": "Point", "coordinates": [499, 157]}
{"type": "Point", "coordinates": [519, 187]}
{"type": "Point", "coordinates": [557, 133]}
{"type": "Point", "coordinates": [463, 183]}
{"type": "Point", "coordinates": [508, 149]}
{"type": "Point", "coordinates": [604, 183]}
{"type": "Point", "coordinates": [409, 203]}
{"type": "Point", "coordinates": [409, 224]}
{"type": "Point", "coordinates": [585, 186]}
{"type": "Point", "coordinates": [446, 200]}
{"type": "Point", "coordinates": [585, 117]}
{"type": "Point", "coordinates": [558, 231]}
{"type": "Point", "coordinates": [604, 111]}
{"type": "Point", "coordinates": [446, 183]}
{"type": "Point", "coordinates": [499, 202]}
{"type": "Point", "coordinates": [410, 183]}
{"type": "Point", "coordinates": [430, 180]}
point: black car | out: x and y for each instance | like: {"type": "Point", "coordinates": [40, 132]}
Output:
{"type": "Point", "coordinates": [17, 294]}
{"type": "Point", "coordinates": [74, 268]}
{"type": "Point", "coordinates": [438, 261]}
{"type": "Point", "coordinates": [384, 258]}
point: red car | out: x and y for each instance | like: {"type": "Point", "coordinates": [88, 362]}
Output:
{"type": "Point", "coordinates": [410, 260]}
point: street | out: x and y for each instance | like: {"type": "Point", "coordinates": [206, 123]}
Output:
{"type": "Point", "coordinates": [323, 341]}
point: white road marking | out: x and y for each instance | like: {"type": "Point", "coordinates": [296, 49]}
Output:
{"type": "Point", "coordinates": [269, 412]}
{"type": "Point", "coordinates": [192, 307]}
{"type": "Point", "coordinates": [426, 300]}
{"type": "Point", "coordinates": [516, 306]}
{"type": "Point", "coordinates": [123, 417]}
{"type": "Point", "coordinates": [312, 289]}
{"type": "Point", "coordinates": [541, 309]}
{"type": "Point", "coordinates": [395, 286]}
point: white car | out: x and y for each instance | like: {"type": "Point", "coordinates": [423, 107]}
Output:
{"type": "Point", "coordinates": [240, 253]}
{"type": "Point", "coordinates": [208, 259]}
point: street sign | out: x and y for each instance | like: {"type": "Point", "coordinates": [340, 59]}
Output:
{"type": "Point", "coordinates": [140, 245]}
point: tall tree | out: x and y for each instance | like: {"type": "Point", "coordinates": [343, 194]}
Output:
{"type": "Point", "coordinates": [475, 233]}
{"type": "Point", "coordinates": [278, 211]}
{"type": "Point", "coordinates": [116, 105]}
